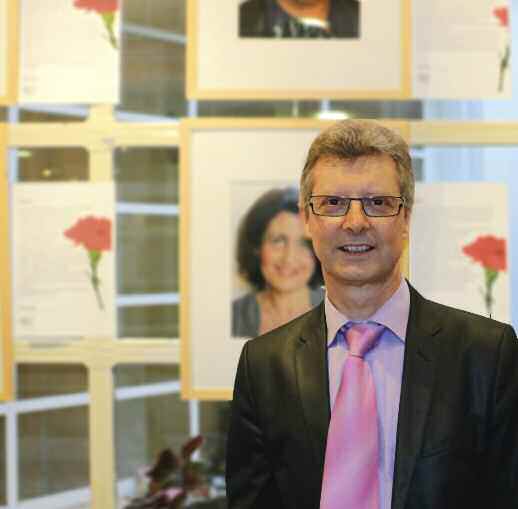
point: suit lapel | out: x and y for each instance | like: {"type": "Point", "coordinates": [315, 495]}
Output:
{"type": "Point", "coordinates": [312, 381]}
{"type": "Point", "coordinates": [416, 391]}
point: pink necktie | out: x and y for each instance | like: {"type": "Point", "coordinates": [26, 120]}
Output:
{"type": "Point", "coordinates": [352, 452]}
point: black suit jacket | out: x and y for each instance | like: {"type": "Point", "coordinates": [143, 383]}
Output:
{"type": "Point", "coordinates": [254, 18]}
{"type": "Point", "coordinates": [457, 438]}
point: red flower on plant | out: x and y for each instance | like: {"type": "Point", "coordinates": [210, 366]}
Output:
{"type": "Point", "coordinates": [94, 233]}
{"type": "Point", "coordinates": [100, 6]}
{"type": "Point", "coordinates": [489, 251]}
{"type": "Point", "coordinates": [502, 14]}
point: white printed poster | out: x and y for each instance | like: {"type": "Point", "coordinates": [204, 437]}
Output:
{"type": "Point", "coordinates": [459, 246]}
{"type": "Point", "coordinates": [70, 51]}
{"type": "Point", "coordinates": [462, 49]}
{"type": "Point", "coordinates": [63, 270]}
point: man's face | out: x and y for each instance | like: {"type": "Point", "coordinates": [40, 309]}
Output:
{"type": "Point", "coordinates": [355, 249]}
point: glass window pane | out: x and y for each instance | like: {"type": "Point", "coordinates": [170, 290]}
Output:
{"type": "Point", "coordinates": [168, 15]}
{"type": "Point", "coordinates": [53, 448]}
{"type": "Point", "coordinates": [146, 175]}
{"type": "Point", "coordinates": [147, 253]}
{"type": "Point", "coordinates": [68, 115]}
{"type": "Point", "coordinates": [148, 321]}
{"type": "Point", "coordinates": [153, 76]}
{"type": "Point", "coordinates": [43, 380]}
{"type": "Point", "coordinates": [3, 465]}
{"type": "Point", "coordinates": [379, 109]}
{"type": "Point", "coordinates": [144, 427]}
{"type": "Point", "coordinates": [52, 164]}
{"type": "Point", "coordinates": [214, 421]}
{"type": "Point", "coordinates": [254, 108]}
{"type": "Point", "coordinates": [132, 374]}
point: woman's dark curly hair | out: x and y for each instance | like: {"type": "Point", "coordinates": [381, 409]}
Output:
{"type": "Point", "coordinates": [253, 227]}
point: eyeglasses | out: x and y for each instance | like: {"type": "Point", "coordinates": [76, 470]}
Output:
{"type": "Point", "coordinates": [373, 206]}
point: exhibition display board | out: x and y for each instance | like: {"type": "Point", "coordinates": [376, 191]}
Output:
{"type": "Point", "coordinates": [226, 166]}
{"type": "Point", "coordinates": [223, 62]}
{"type": "Point", "coordinates": [458, 240]}
{"type": "Point", "coordinates": [395, 49]}
{"type": "Point", "coordinates": [80, 62]}
{"type": "Point", "coordinates": [458, 246]}
{"type": "Point", "coordinates": [64, 278]}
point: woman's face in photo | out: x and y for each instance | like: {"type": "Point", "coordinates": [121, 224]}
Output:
{"type": "Point", "coordinates": [287, 261]}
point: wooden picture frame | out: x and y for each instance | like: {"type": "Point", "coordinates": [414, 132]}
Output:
{"type": "Point", "coordinates": [215, 156]}
{"type": "Point", "coordinates": [222, 65]}
{"type": "Point", "coordinates": [8, 51]}
{"type": "Point", "coordinates": [6, 338]}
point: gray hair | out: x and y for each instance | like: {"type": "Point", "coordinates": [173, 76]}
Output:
{"type": "Point", "coordinates": [350, 139]}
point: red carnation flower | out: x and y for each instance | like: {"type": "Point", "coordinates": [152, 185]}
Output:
{"type": "Point", "coordinates": [502, 13]}
{"type": "Point", "coordinates": [100, 6]}
{"type": "Point", "coordinates": [489, 251]}
{"type": "Point", "coordinates": [94, 234]}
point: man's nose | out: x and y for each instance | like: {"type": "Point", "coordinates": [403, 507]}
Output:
{"type": "Point", "coordinates": [355, 220]}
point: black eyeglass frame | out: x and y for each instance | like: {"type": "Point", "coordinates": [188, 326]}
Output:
{"type": "Point", "coordinates": [362, 200]}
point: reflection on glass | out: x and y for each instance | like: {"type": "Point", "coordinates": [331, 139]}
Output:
{"type": "Point", "coordinates": [135, 374]}
{"type": "Point", "coordinates": [146, 175]}
{"type": "Point", "coordinates": [379, 109]}
{"type": "Point", "coordinates": [417, 166]}
{"type": "Point", "coordinates": [168, 15]}
{"type": "Point", "coordinates": [214, 421]}
{"type": "Point", "coordinates": [52, 164]}
{"type": "Point", "coordinates": [42, 380]}
{"type": "Point", "coordinates": [26, 115]}
{"type": "Point", "coordinates": [148, 322]}
{"type": "Point", "coordinates": [146, 426]}
{"type": "Point", "coordinates": [153, 76]}
{"type": "Point", "coordinates": [53, 451]}
{"type": "Point", "coordinates": [250, 108]}
{"type": "Point", "coordinates": [147, 249]}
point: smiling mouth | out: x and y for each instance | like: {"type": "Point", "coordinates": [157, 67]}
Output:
{"type": "Point", "coordinates": [356, 248]}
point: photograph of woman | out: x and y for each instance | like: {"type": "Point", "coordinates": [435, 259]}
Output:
{"type": "Point", "coordinates": [277, 262]}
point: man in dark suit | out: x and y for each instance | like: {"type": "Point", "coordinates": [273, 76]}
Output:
{"type": "Point", "coordinates": [445, 381]}
{"type": "Point", "coordinates": [299, 18]}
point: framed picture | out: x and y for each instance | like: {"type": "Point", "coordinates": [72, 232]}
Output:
{"type": "Point", "coordinates": [8, 51]}
{"type": "Point", "coordinates": [234, 173]}
{"type": "Point", "coordinates": [466, 251]}
{"type": "Point", "coordinates": [253, 49]}
{"type": "Point", "coordinates": [80, 63]}
{"type": "Point", "coordinates": [6, 342]}
{"type": "Point", "coordinates": [461, 53]}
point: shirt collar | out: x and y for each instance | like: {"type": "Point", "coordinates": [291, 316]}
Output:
{"type": "Point", "coordinates": [393, 314]}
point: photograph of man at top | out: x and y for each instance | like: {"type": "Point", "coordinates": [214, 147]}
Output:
{"type": "Point", "coordinates": [312, 19]}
